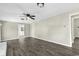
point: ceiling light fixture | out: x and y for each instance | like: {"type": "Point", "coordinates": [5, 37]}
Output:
{"type": "Point", "coordinates": [40, 4]}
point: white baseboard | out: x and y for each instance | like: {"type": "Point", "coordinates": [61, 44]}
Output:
{"type": "Point", "coordinates": [15, 38]}
{"type": "Point", "coordinates": [56, 42]}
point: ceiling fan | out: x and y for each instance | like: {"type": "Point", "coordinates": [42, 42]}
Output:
{"type": "Point", "coordinates": [25, 15]}
{"type": "Point", "coordinates": [29, 15]}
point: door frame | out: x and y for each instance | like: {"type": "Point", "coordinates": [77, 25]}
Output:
{"type": "Point", "coordinates": [72, 17]}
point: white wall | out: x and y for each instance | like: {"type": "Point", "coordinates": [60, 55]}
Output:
{"type": "Point", "coordinates": [55, 29]}
{"type": "Point", "coordinates": [10, 30]}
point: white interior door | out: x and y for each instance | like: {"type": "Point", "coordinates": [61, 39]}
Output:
{"type": "Point", "coordinates": [0, 31]}
{"type": "Point", "coordinates": [76, 27]}
{"type": "Point", "coordinates": [21, 29]}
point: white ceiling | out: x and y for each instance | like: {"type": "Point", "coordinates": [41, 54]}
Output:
{"type": "Point", "coordinates": [13, 11]}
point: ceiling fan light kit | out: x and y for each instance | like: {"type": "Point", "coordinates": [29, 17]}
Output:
{"type": "Point", "coordinates": [40, 5]}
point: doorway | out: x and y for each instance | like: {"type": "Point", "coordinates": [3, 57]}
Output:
{"type": "Point", "coordinates": [75, 31]}
{"type": "Point", "coordinates": [20, 29]}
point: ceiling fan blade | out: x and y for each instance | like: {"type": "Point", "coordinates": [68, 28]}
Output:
{"type": "Point", "coordinates": [26, 14]}
{"type": "Point", "coordinates": [33, 16]}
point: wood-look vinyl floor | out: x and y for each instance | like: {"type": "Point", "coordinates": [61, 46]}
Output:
{"type": "Point", "coordinates": [36, 47]}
